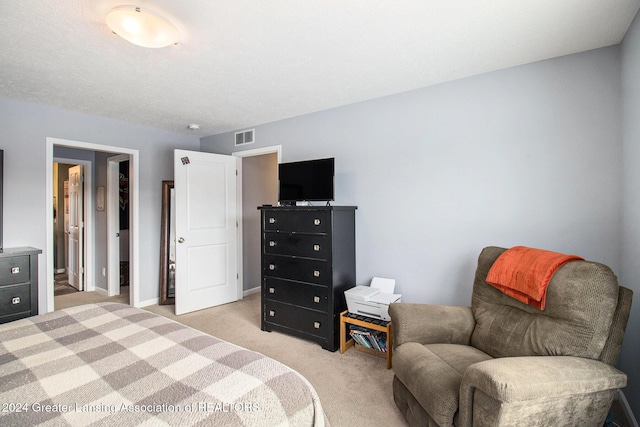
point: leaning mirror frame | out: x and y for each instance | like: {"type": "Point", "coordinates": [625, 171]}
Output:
{"type": "Point", "coordinates": [167, 245]}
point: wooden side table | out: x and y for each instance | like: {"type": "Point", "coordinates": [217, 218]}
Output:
{"type": "Point", "coordinates": [366, 322]}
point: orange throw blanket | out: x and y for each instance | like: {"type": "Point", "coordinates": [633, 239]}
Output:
{"type": "Point", "coordinates": [524, 273]}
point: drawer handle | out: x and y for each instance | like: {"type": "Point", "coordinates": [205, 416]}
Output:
{"type": "Point", "coordinates": [272, 267]}
{"type": "Point", "coordinates": [316, 325]}
{"type": "Point", "coordinates": [272, 290]}
{"type": "Point", "coordinates": [272, 313]}
{"type": "Point", "coordinates": [316, 221]}
{"type": "Point", "coordinates": [272, 220]}
{"type": "Point", "coordinates": [316, 299]}
{"type": "Point", "coordinates": [15, 300]}
{"type": "Point", "coordinates": [316, 273]}
{"type": "Point", "coordinates": [15, 270]}
{"type": "Point", "coordinates": [272, 243]}
{"type": "Point", "coordinates": [316, 248]}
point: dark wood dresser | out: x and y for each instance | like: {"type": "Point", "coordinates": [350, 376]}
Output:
{"type": "Point", "coordinates": [18, 283]}
{"type": "Point", "coordinates": [308, 261]}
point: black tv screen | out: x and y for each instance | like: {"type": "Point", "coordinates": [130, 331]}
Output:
{"type": "Point", "coordinates": [310, 180]}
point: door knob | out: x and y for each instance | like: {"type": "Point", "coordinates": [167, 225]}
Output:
{"type": "Point", "coordinates": [181, 240]}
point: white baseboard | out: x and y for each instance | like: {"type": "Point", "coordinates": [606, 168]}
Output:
{"type": "Point", "coordinates": [146, 303]}
{"type": "Point", "coordinates": [627, 409]}
{"type": "Point", "coordinates": [99, 291]}
{"type": "Point", "coordinates": [251, 291]}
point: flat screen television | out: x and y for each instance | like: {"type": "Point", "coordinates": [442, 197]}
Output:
{"type": "Point", "coordinates": [310, 180]}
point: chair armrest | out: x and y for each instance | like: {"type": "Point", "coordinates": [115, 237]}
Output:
{"type": "Point", "coordinates": [519, 379]}
{"type": "Point", "coordinates": [431, 324]}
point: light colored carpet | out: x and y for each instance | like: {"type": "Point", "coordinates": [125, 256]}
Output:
{"type": "Point", "coordinates": [354, 387]}
{"type": "Point", "coordinates": [78, 298]}
{"type": "Point", "coordinates": [61, 285]}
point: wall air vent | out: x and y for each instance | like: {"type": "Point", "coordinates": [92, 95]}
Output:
{"type": "Point", "coordinates": [245, 137]}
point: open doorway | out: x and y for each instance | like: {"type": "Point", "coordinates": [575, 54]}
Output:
{"type": "Point", "coordinates": [258, 186]}
{"type": "Point", "coordinates": [95, 260]}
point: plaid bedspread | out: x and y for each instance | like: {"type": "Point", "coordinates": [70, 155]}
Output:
{"type": "Point", "coordinates": [112, 364]}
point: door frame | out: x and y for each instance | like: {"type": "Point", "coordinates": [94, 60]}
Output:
{"type": "Point", "coordinates": [89, 217]}
{"type": "Point", "coordinates": [113, 223]}
{"type": "Point", "coordinates": [277, 149]}
{"type": "Point", "coordinates": [134, 200]}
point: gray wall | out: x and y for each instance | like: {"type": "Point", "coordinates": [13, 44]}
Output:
{"type": "Point", "coordinates": [26, 126]}
{"type": "Point", "coordinates": [100, 256]}
{"type": "Point", "coordinates": [524, 156]}
{"type": "Point", "coordinates": [631, 207]}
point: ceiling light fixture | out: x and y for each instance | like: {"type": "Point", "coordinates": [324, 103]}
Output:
{"type": "Point", "coordinates": [142, 27]}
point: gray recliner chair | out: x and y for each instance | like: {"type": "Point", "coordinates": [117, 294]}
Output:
{"type": "Point", "coordinates": [504, 363]}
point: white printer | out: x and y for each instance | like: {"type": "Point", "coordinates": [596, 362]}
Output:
{"type": "Point", "coordinates": [372, 301]}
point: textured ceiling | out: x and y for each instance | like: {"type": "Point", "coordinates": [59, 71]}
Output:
{"type": "Point", "coordinates": [245, 62]}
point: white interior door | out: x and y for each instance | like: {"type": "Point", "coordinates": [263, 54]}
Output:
{"type": "Point", "coordinates": [206, 230]}
{"type": "Point", "coordinates": [76, 227]}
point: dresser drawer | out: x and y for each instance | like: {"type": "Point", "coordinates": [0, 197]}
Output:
{"type": "Point", "coordinates": [300, 269]}
{"type": "Point", "coordinates": [297, 293]}
{"type": "Point", "coordinates": [297, 221]}
{"type": "Point", "coordinates": [14, 270]}
{"type": "Point", "coordinates": [302, 245]}
{"type": "Point", "coordinates": [15, 299]}
{"type": "Point", "coordinates": [308, 321]}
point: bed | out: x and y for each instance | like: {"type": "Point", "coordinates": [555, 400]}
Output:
{"type": "Point", "coordinates": [112, 364]}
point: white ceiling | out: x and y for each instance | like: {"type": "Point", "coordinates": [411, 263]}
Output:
{"type": "Point", "coordinates": [245, 62]}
